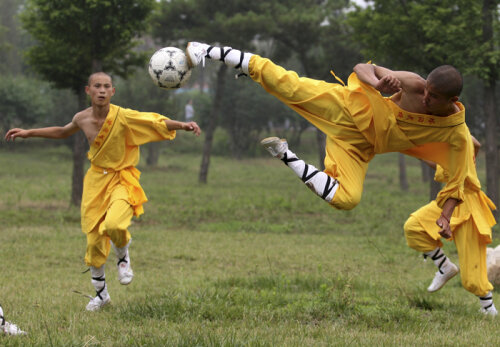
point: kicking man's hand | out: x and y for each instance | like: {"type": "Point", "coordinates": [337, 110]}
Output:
{"type": "Point", "coordinates": [16, 132]}
{"type": "Point", "coordinates": [192, 126]}
{"type": "Point", "coordinates": [388, 84]}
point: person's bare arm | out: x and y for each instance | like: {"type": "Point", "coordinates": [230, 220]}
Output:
{"type": "Point", "coordinates": [187, 126]}
{"type": "Point", "coordinates": [477, 145]}
{"type": "Point", "coordinates": [444, 219]}
{"type": "Point", "coordinates": [48, 132]}
{"type": "Point", "coordinates": [389, 81]}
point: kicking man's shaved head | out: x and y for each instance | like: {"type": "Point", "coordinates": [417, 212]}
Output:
{"type": "Point", "coordinates": [447, 80]}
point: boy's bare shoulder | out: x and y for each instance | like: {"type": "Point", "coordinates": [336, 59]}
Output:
{"type": "Point", "coordinates": [82, 115]}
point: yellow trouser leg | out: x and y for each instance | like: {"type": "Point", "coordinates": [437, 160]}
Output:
{"type": "Point", "coordinates": [113, 227]}
{"type": "Point", "coordinates": [471, 250]}
{"type": "Point", "coordinates": [323, 105]}
{"type": "Point", "coordinates": [417, 238]}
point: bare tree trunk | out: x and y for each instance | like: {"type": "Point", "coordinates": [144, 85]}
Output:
{"type": "Point", "coordinates": [153, 153]}
{"type": "Point", "coordinates": [79, 147]}
{"type": "Point", "coordinates": [491, 145]}
{"type": "Point", "coordinates": [403, 179]}
{"type": "Point", "coordinates": [426, 171]}
{"type": "Point", "coordinates": [321, 140]}
{"type": "Point", "coordinates": [212, 124]}
{"type": "Point", "coordinates": [434, 186]}
{"type": "Point", "coordinates": [489, 10]}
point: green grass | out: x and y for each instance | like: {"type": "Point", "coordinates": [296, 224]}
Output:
{"type": "Point", "coordinates": [252, 258]}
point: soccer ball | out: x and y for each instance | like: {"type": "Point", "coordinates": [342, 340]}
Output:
{"type": "Point", "coordinates": [169, 68]}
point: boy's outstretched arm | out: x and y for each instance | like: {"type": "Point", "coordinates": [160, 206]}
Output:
{"type": "Point", "coordinates": [187, 126]}
{"type": "Point", "coordinates": [49, 132]}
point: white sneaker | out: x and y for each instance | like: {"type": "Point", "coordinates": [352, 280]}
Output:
{"type": "Point", "coordinates": [490, 311]}
{"type": "Point", "coordinates": [11, 329]}
{"type": "Point", "coordinates": [97, 303]}
{"type": "Point", "coordinates": [125, 273]}
{"type": "Point", "coordinates": [196, 53]}
{"type": "Point", "coordinates": [440, 279]}
{"type": "Point", "coordinates": [276, 146]}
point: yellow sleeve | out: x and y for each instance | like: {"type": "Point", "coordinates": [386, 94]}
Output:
{"type": "Point", "coordinates": [441, 175]}
{"type": "Point", "coordinates": [461, 164]}
{"type": "Point", "coordinates": [146, 127]}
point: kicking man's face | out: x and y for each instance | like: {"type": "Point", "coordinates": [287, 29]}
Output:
{"type": "Point", "coordinates": [100, 89]}
{"type": "Point", "coordinates": [435, 102]}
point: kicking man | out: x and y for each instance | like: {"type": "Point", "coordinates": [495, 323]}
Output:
{"type": "Point", "coordinates": [422, 118]}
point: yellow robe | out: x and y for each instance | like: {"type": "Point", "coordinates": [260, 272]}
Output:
{"type": "Point", "coordinates": [471, 223]}
{"type": "Point", "coordinates": [359, 123]}
{"type": "Point", "coordinates": [113, 156]}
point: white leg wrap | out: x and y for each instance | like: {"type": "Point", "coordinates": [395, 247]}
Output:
{"type": "Point", "coordinates": [486, 301]}
{"type": "Point", "coordinates": [121, 252]}
{"type": "Point", "coordinates": [99, 281]}
{"type": "Point", "coordinates": [231, 57]}
{"type": "Point", "coordinates": [439, 258]}
{"type": "Point", "coordinates": [318, 181]}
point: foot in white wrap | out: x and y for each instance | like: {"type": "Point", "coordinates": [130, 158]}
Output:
{"type": "Point", "coordinates": [97, 303]}
{"type": "Point", "coordinates": [444, 274]}
{"type": "Point", "coordinates": [196, 53]}
{"type": "Point", "coordinates": [9, 328]}
{"type": "Point", "coordinates": [125, 273]}
{"type": "Point", "coordinates": [276, 146]}
{"type": "Point", "coordinates": [487, 306]}
{"type": "Point", "coordinates": [102, 297]}
{"type": "Point", "coordinates": [319, 182]}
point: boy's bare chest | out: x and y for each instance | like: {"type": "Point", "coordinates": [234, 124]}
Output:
{"type": "Point", "coordinates": [91, 128]}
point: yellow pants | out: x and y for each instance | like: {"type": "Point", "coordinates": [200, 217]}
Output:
{"type": "Point", "coordinates": [114, 227]}
{"type": "Point", "coordinates": [471, 247]}
{"type": "Point", "coordinates": [322, 104]}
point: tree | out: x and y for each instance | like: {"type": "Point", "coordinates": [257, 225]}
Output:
{"type": "Point", "coordinates": [11, 41]}
{"type": "Point", "coordinates": [234, 23]}
{"type": "Point", "coordinates": [76, 38]}
{"type": "Point", "coordinates": [430, 33]}
{"type": "Point", "coordinates": [23, 101]}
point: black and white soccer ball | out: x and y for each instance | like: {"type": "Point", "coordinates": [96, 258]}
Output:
{"type": "Point", "coordinates": [169, 69]}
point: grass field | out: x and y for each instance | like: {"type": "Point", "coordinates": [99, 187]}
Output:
{"type": "Point", "coordinates": [252, 258]}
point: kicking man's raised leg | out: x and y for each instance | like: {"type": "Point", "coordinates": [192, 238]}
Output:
{"type": "Point", "coordinates": [197, 52]}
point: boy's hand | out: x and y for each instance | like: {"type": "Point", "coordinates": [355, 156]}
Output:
{"type": "Point", "coordinates": [16, 132]}
{"type": "Point", "coordinates": [192, 126]}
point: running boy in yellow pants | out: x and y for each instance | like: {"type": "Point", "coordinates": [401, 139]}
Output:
{"type": "Point", "coordinates": [471, 223]}
{"type": "Point", "coordinates": [422, 118]}
{"type": "Point", "coordinates": [111, 190]}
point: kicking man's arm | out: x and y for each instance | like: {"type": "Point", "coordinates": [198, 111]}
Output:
{"type": "Point", "coordinates": [187, 126]}
{"type": "Point", "coordinates": [49, 132]}
{"type": "Point", "coordinates": [389, 81]}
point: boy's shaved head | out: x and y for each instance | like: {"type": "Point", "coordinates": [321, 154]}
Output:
{"type": "Point", "coordinates": [100, 73]}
